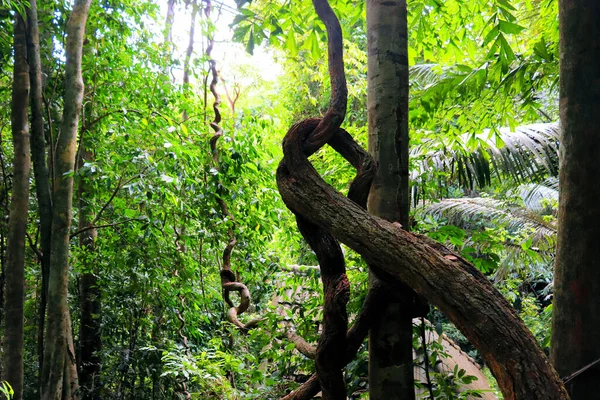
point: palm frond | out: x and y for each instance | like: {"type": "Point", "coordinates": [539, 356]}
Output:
{"type": "Point", "coordinates": [464, 212]}
{"type": "Point", "coordinates": [432, 79]}
{"type": "Point", "coordinates": [529, 153]}
{"type": "Point", "coordinates": [423, 76]}
{"type": "Point", "coordinates": [536, 196]}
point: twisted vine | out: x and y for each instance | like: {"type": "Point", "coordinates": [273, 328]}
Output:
{"type": "Point", "coordinates": [187, 395]}
{"type": "Point", "coordinates": [446, 279]}
{"type": "Point", "coordinates": [229, 282]}
{"type": "Point", "coordinates": [313, 134]}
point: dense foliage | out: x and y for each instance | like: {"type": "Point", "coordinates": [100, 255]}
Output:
{"type": "Point", "coordinates": [483, 179]}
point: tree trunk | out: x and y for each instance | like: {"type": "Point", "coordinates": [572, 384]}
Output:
{"type": "Point", "coordinates": [576, 313]}
{"type": "Point", "coordinates": [40, 169]}
{"type": "Point", "coordinates": [188, 57]}
{"type": "Point", "coordinates": [57, 353]}
{"type": "Point", "coordinates": [168, 32]}
{"type": "Point", "coordinates": [390, 337]}
{"type": "Point", "coordinates": [190, 48]}
{"type": "Point", "coordinates": [17, 224]}
{"type": "Point", "coordinates": [90, 342]}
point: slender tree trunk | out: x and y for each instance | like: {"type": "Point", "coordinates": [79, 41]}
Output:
{"type": "Point", "coordinates": [17, 224]}
{"type": "Point", "coordinates": [40, 169]}
{"type": "Point", "coordinates": [58, 353]}
{"type": "Point", "coordinates": [576, 313]}
{"type": "Point", "coordinates": [89, 293]}
{"type": "Point", "coordinates": [190, 48]}
{"type": "Point", "coordinates": [188, 56]}
{"type": "Point", "coordinates": [390, 337]}
{"type": "Point", "coordinates": [4, 204]}
{"type": "Point", "coordinates": [168, 32]}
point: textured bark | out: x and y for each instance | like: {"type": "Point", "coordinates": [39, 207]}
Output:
{"type": "Point", "coordinates": [58, 353]}
{"type": "Point", "coordinates": [331, 346]}
{"type": "Point", "coordinates": [448, 281]}
{"type": "Point", "coordinates": [90, 342]}
{"type": "Point", "coordinates": [17, 223]}
{"type": "Point", "coordinates": [458, 289]}
{"type": "Point", "coordinates": [40, 169]}
{"type": "Point", "coordinates": [576, 313]}
{"type": "Point", "coordinates": [390, 338]}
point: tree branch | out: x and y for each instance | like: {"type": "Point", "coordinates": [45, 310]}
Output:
{"type": "Point", "coordinates": [87, 228]}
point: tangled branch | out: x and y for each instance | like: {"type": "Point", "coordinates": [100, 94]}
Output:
{"type": "Point", "coordinates": [313, 134]}
{"type": "Point", "coordinates": [447, 280]}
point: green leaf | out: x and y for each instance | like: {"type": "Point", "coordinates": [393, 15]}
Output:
{"type": "Point", "coordinates": [240, 31]}
{"type": "Point", "coordinates": [290, 43]}
{"type": "Point", "coordinates": [541, 50]}
{"type": "Point", "coordinates": [506, 49]}
{"type": "Point", "coordinates": [250, 44]}
{"type": "Point", "coordinates": [505, 4]}
{"type": "Point", "coordinates": [238, 18]}
{"type": "Point", "coordinates": [509, 27]}
{"type": "Point", "coordinates": [493, 34]}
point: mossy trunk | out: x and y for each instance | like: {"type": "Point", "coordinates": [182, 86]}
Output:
{"type": "Point", "coordinates": [40, 168]}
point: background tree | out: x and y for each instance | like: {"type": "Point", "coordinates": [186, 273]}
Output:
{"type": "Point", "coordinates": [576, 324]}
{"type": "Point", "coordinates": [40, 167]}
{"type": "Point", "coordinates": [19, 205]}
{"type": "Point", "coordinates": [390, 337]}
{"type": "Point", "coordinates": [59, 374]}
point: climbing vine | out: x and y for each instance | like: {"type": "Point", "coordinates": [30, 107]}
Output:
{"type": "Point", "coordinates": [229, 283]}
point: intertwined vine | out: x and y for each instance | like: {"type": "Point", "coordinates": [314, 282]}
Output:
{"type": "Point", "coordinates": [302, 140]}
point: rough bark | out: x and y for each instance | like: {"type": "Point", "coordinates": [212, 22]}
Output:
{"type": "Point", "coordinates": [390, 338]}
{"type": "Point", "coordinates": [445, 279]}
{"type": "Point", "coordinates": [90, 342]}
{"type": "Point", "coordinates": [454, 285]}
{"type": "Point", "coordinates": [331, 347]}
{"type": "Point", "coordinates": [17, 223]}
{"type": "Point", "coordinates": [58, 353]}
{"type": "Point", "coordinates": [576, 313]}
{"type": "Point", "coordinates": [40, 168]}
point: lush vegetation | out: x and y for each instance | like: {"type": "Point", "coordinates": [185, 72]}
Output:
{"type": "Point", "coordinates": [484, 175]}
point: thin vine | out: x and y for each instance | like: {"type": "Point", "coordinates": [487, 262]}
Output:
{"type": "Point", "coordinates": [229, 283]}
